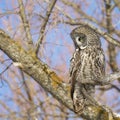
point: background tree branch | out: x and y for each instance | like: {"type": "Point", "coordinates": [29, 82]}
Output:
{"type": "Point", "coordinates": [43, 26]}
{"type": "Point", "coordinates": [25, 24]}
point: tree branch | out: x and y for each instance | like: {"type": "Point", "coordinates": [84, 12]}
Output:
{"type": "Point", "coordinates": [117, 3]}
{"type": "Point", "coordinates": [88, 17]}
{"type": "Point", "coordinates": [25, 24]}
{"type": "Point", "coordinates": [43, 26]}
{"type": "Point", "coordinates": [61, 10]}
{"type": "Point", "coordinates": [49, 80]}
{"type": "Point", "coordinates": [79, 10]}
{"type": "Point", "coordinates": [111, 47]}
{"type": "Point", "coordinates": [5, 69]}
{"type": "Point", "coordinates": [109, 78]}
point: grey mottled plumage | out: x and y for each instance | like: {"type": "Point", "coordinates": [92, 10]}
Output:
{"type": "Point", "coordinates": [87, 66]}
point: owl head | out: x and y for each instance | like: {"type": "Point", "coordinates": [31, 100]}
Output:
{"type": "Point", "coordinates": [84, 36]}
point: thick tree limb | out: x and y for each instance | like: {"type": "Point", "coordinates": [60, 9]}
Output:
{"type": "Point", "coordinates": [42, 74]}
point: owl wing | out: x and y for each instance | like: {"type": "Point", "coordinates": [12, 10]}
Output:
{"type": "Point", "coordinates": [100, 65]}
{"type": "Point", "coordinates": [92, 68]}
{"type": "Point", "coordinates": [76, 95]}
{"type": "Point", "coordinates": [71, 73]}
{"type": "Point", "coordinates": [101, 62]}
{"type": "Point", "coordinates": [74, 65]}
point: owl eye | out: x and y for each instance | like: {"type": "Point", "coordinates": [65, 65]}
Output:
{"type": "Point", "coordinates": [79, 39]}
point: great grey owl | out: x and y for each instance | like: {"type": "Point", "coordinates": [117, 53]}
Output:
{"type": "Point", "coordinates": [87, 66]}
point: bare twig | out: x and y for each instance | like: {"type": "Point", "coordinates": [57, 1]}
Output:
{"type": "Point", "coordinates": [61, 10]}
{"type": "Point", "coordinates": [8, 13]}
{"type": "Point", "coordinates": [6, 107]}
{"type": "Point", "coordinates": [25, 24]}
{"type": "Point", "coordinates": [26, 86]}
{"type": "Point", "coordinates": [79, 10]}
{"type": "Point", "coordinates": [6, 69]}
{"type": "Point", "coordinates": [42, 30]}
{"type": "Point", "coordinates": [111, 77]}
{"type": "Point", "coordinates": [108, 87]}
{"type": "Point", "coordinates": [88, 17]}
{"type": "Point", "coordinates": [5, 60]}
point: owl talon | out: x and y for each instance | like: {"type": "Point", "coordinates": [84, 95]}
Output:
{"type": "Point", "coordinates": [78, 105]}
{"type": "Point", "coordinates": [78, 110]}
